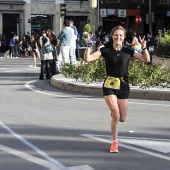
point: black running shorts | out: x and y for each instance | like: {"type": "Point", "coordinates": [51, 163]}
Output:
{"type": "Point", "coordinates": [122, 93]}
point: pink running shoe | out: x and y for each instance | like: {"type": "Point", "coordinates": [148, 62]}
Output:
{"type": "Point", "coordinates": [114, 147]}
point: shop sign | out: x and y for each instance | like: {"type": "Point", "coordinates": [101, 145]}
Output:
{"type": "Point", "coordinates": [122, 13]}
{"type": "Point", "coordinates": [103, 13]}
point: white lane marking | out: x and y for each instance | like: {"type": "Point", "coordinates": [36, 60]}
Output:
{"type": "Point", "coordinates": [4, 68]}
{"type": "Point", "coordinates": [101, 138]}
{"type": "Point", "coordinates": [27, 157]}
{"type": "Point", "coordinates": [27, 85]}
{"type": "Point", "coordinates": [82, 167]}
{"type": "Point", "coordinates": [52, 164]}
{"type": "Point", "coordinates": [12, 71]}
{"type": "Point", "coordinates": [157, 145]}
{"type": "Point", "coordinates": [43, 154]}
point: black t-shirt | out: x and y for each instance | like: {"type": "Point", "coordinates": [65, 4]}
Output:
{"type": "Point", "coordinates": [33, 44]}
{"type": "Point", "coordinates": [117, 62]}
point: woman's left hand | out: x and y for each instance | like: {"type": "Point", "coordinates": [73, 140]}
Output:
{"type": "Point", "coordinates": [142, 41]}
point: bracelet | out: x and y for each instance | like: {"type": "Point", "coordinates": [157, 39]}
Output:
{"type": "Point", "coordinates": [144, 48]}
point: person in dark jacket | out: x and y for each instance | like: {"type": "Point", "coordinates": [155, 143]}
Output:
{"type": "Point", "coordinates": [53, 40]}
{"type": "Point", "coordinates": [46, 58]}
{"type": "Point", "coordinates": [16, 47]}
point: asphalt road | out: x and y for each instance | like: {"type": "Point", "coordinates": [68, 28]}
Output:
{"type": "Point", "coordinates": [42, 127]}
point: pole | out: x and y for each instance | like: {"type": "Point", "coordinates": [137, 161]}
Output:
{"type": "Point", "coordinates": [150, 16]}
{"type": "Point", "coordinates": [98, 21]}
{"type": "Point", "coordinates": [93, 22]}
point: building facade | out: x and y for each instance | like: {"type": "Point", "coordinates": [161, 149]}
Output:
{"type": "Point", "coordinates": [154, 15]}
{"type": "Point", "coordinates": [21, 16]}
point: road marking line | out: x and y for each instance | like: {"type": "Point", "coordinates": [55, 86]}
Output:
{"type": "Point", "coordinates": [27, 157]}
{"type": "Point", "coordinates": [4, 68]}
{"type": "Point", "coordinates": [95, 137]}
{"type": "Point", "coordinates": [27, 85]}
{"type": "Point", "coordinates": [43, 154]}
{"type": "Point", "coordinates": [82, 167]}
{"type": "Point", "coordinates": [52, 164]}
{"type": "Point", "coordinates": [12, 71]}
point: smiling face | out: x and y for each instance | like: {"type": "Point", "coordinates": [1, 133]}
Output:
{"type": "Point", "coordinates": [118, 37]}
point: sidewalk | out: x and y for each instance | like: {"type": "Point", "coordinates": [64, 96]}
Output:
{"type": "Point", "coordinates": [61, 82]}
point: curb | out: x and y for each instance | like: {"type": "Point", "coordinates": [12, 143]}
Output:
{"type": "Point", "coordinates": [96, 89]}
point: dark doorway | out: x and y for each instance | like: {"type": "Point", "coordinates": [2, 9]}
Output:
{"type": "Point", "coordinates": [9, 24]}
{"type": "Point", "coordinates": [108, 25]}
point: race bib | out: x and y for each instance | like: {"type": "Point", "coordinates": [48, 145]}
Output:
{"type": "Point", "coordinates": [112, 82]}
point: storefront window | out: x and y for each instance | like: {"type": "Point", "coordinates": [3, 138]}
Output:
{"type": "Point", "coordinates": [41, 22]}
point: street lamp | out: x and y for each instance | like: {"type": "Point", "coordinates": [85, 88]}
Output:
{"type": "Point", "coordinates": [93, 4]}
{"type": "Point", "coordinates": [150, 16]}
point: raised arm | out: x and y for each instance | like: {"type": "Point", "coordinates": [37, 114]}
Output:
{"type": "Point", "coordinates": [90, 57]}
{"type": "Point", "coordinates": [145, 57]}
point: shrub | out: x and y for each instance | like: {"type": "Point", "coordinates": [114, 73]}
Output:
{"type": "Point", "coordinates": [140, 74]}
{"type": "Point", "coordinates": [165, 39]}
{"type": "Point", "coordinates": [86, 34]}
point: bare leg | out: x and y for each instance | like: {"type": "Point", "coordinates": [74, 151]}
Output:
{"type": "Point", "coordinates": [123, 105]}
{"type": "Point", "coordinates": [118, 108]}
{"type": "Point", "coordinates": [34, 58]}
{"type": "Point", "coordinates": [111, 101]}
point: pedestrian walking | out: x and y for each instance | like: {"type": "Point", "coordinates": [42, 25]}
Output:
{"type": "Point", "coordinates": [34, 49]}
{"type": "Point", "coordinates": [16, 47]}
{"type": "Point", "coordinates": [116, 87]}
{"type": "Point", "coordinates": [11, 46]}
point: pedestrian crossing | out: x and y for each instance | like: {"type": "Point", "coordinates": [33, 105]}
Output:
{"type": "Point", "coordinates": [21, 69]}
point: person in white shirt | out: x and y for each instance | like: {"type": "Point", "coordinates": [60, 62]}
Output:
{"type": "Point", "coordinates": [72, 54]}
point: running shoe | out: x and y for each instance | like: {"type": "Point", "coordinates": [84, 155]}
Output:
{"type": "Point", "coordinates": [114, 147]}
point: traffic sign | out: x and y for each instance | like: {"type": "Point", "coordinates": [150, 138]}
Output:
{"type": "Point", "coordinates": [138, 19]}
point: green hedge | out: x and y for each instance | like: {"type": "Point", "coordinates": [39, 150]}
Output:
{"type": "Point", "coordinates": [140, 74]}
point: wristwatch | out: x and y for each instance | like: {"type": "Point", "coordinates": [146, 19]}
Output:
{"type": "Point", "coordinates": [144, 48]}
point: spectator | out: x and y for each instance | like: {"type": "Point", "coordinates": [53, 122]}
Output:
{"type": "Point", "coordinates": [24, 45]}
{"type": "Point", "coordinates": [78, 45]}
{"type": "Point", "coordinates": [45, 58]}
{"type": "Point", "coordinates": [135, 43]}
{"type": "Point", "coordinates": [64, 44]}
{"type": "Point", "coordinates": [3, 44]}
{"type": "Point", "coordinates": [72, 51]}
{"type": "Point", "coordinates": [107, 38]}
{"type": "Point", "coordinates": [11, 46]}
{"type": "Point", "coordinates": [54, 42]}
{"type": "Point", "coordinates": [34, 49]}
{"type": "Point", "coordinates": [16, 47]}
{"type": "Point", "coordinates": [28, 36]}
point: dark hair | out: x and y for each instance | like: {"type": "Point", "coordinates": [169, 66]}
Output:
{"type": "Point", "coordinates": [66, 23]}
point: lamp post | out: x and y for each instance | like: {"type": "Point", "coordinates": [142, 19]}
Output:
{"type": "Point", "coordinates": [150, 16]}
{"type": "Point", "coordinates": [98, 11]}
{"type": "Point", "coordinates": [93, 4]}
{"type": "Point", "coordinates": [138, 6]}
